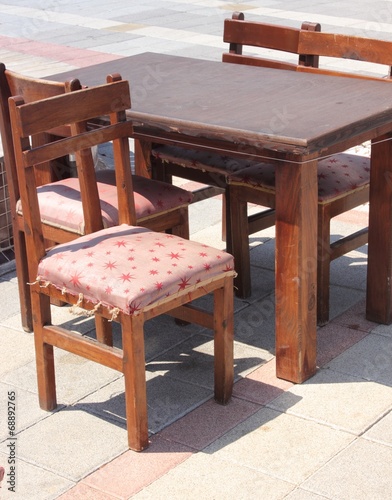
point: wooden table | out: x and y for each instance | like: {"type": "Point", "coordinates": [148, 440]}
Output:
{"type": "Point", "coordinates": [294, 118]}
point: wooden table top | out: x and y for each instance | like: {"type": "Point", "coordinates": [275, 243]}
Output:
{"type": "Point", "coordinates": [282, 114]}
{"type": "Point", "coordinates": [303, 113]}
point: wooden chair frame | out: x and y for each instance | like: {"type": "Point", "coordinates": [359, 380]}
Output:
{"type": "Point", "coordinates": [32, 89]}
{"type": "Point", "coordinates": [77, 108]}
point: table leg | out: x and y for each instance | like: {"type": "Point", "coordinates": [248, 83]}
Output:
{"type": "Point", "coordinates": [379, 272]}
{"type": "Point", "coordinates": [296, 270]}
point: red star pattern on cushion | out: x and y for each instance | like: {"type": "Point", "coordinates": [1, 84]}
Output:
{"type": "Point", "coordinates": [61, 206]}
{"type": "Point", "coordinates": [98, 266]}
{"type": "Point", "coordinates": [337, 175]}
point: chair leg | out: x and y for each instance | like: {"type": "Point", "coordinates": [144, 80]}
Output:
{"type": "Point", "coordinates": [159, 171]}
{"type": "Point", "coordinates": [223, 342]}
{"type": "Point", "coordinates": [22, 273]}
{"type": "Point", "coordinates": [323, 264]}
{"type": "Point", "coordinates": [224, 216]}
{"type": "Point", "coordinates": [143, 158]}
{"type": "Point", "coordinates": [238, 240]}
{"type": "Point", "coordinates": [135, 381]}
{"type": "Point", "coordinates": [182, 230]}
{"type": "Point", "coordinates": [103, 329]}
{"type": "Point", "coordinates": [43, 352]}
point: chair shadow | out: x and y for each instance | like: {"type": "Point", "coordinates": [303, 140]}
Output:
{"type": "Point", "coordinates": [173, 398]}
{"type": "Point", "coordinates": [166, 409]}
{"type": "Point", "coordinates": [175, 386]}
{"type": "Point", "coordinates": [179, 372]}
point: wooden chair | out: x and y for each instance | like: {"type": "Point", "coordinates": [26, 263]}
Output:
{"type": "Point", "coordinates": [343, 178]}
{"type": "Point", "coordinates": [267, 38]}
{"type": "Point", "coordinates": [211, 170]}
{"type": "Point", "coordinates": [161, 207]}
{"type": "Point", "coordinates": [126, 273]}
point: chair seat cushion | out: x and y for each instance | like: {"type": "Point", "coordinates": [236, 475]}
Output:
{"type": "Point", "coordinates": [337, 175]}
{"type": "Point", "coordinates": [201, 160]}
{"type": "Point", "coordinates": [61, 206]}
{"type": "Point", "coordinates": [130, 268]}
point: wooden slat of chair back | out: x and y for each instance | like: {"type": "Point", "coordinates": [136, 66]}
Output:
{"type": "Point", "coordinates": [35, 89]}
{"type": "Point", "coordinates": [335, 72]}
{"type": "Point", "coordinates": [258, 34]}
{"type": "Point", "coordinates": [37, 117]}
{"type": "Point", "coordinates": [258, 61]}
{"type": "Point", "coordinates": [70, 145]}
{"type": "Point", "coordinates": [32, 89]}
{"type": "Point", "coordinates": [238, 32]}
{"type": "Point", "coordinates": [347, 47]}
{"type": "Point", "coordinates": [12, 84]}
{"type": "Point", "coordinates": [30, 118]}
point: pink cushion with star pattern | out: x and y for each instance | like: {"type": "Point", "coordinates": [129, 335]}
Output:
{"type": "Point", "coordinates": [130, 268]}
{"type": "Point", "coordinates": [337, 175]}
{"type": "Point", "coordinates": [61, 206]}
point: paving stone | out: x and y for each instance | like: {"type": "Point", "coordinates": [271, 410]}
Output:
{"type": "Point", "coordinates": [130, 472]}
{"type": "Point", "coordinates": [32, 482]}
{"type": "Point", "coordinates": [75, 377]}
{"type": "Point", "coordinates": [370, 359]}
{"type": "Point", "coordinates": [360, 472]}
{"type": "Point", "coordinates": [72, 443]}
{"type": "Point", "coordinates": [300, 494]}
{"type": "Point", "coordinates": [27, 410]}
{"type": "Point", "coordinates": [381, 431]}
{"type": "Point", "coordinates": [240, 482]}
{"type": "Point", "coordinates": [280, 445]}
{"type": "Point", "coordinates": [9, 299]}
{"type": "Point", "coordinates": [193, 361]}
{"type": "Point", "coordinates": [167, 399]}
{"type": "Point", "coordinates": [17, 349]}
{"type": "Point", "coordinates": [340, 401]}
{"type": "Point", "coordinates": [208, 422]}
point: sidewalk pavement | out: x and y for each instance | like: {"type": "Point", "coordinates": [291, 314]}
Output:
{"type": "Point", "coordinates": [330, 437]}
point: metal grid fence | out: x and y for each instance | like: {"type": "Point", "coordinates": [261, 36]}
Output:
{"type": "Point", "coordinates": [6, 236]}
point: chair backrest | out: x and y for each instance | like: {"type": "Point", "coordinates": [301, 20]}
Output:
{"type": "Point", "coordinates": [238, 32]}
{"type": "Point", "coordinates": [76, 109]}
{"type": "Point", "coordinates": [31, 89]}
{"type": "Point", "coordinates": [309, 42]}
{"type": "Point", "coordinates": [342, 46]}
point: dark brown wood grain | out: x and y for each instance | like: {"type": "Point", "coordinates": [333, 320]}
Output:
{"type": "Point", "coordinates": [199, 98]}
